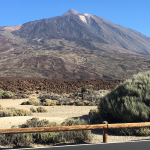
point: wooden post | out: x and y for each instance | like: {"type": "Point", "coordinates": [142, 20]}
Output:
{"type": "Point", "coordinates": [105, 132]}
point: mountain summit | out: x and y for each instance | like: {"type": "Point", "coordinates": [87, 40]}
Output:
{"type": "Point", "coordinates": [71, 11]}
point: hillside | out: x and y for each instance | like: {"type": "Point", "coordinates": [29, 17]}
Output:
{"type": "Point", "coordinates": [74, 25]}
{"type": "Point", "coordinates": [73, 46]}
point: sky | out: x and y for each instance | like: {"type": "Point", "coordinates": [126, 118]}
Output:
{"type": "Point", "coordinates": [133, 14]}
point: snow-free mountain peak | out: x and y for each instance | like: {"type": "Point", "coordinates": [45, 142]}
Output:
{"type": "Point", "coordinates": [75, 26]}
{"type": "Point", "coordinates": [71, 11]}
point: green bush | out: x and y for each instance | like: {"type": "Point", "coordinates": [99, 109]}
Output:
{"type": "Point", "coordinates": [7, 95]}
{"type": "Point", "coordinates": [93, 111]}
{"type": "Point", "coordinates": [128, 103]}
{"type": "Point", "coordinates": [1, 93]}
{"type": "Point", "coordinates": [75, 136]}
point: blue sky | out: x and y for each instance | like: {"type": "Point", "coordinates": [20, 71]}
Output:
{"type": "Point", "coordinates": [134, 14]}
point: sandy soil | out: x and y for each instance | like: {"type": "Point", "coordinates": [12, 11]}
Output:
{"type": "Point", "coordinates": [58, 114]}
{"type": "Point", "coordinates": [55, 113]}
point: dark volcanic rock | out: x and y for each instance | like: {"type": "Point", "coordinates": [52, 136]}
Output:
{"type": "Point", "coordinates": [57, 86]}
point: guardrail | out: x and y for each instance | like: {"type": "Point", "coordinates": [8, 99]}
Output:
{"type": "Point", "coordinates": [105, 126]}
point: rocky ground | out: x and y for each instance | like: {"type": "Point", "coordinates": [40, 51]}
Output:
{"type": "Point", "coordinates": [27, 85]}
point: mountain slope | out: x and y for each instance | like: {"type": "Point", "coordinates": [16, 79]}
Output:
{"type": "Point", "coordinates": [73, 46]}
{"type": "Point", "coordinates": [74, 25]}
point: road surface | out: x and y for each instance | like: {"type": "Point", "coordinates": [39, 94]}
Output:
{"type": "Point", "coordinates": [133, 145]}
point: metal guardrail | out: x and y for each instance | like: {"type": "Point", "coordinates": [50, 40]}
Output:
{"type": "Point", "coordinates": [105, 126]}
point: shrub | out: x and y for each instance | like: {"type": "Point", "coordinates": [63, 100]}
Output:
{"type": "Point", "coordinates": [55, 102]}
{"type": "Point", "coordinates": [33, 110]}
{"type": "Point", "coordinates": [41, 109]}
{"type": "Point", "coordinates": [52, 96]}
{"type": "Point", "coordinates": [12, 111]}
{"type": "Point", "coordinates": [20, 95]}
{"type": "Point", "coordinates": [18, 140]}
{"type": "Point", "coordinates": [74, 136]}
{"type": "Point", "coordinates": [47, 102]}
{"type": "Point", "coordinates": [127, 103]}
{"type": "Point", "coordinates": [35, 122]}
{"type": "Point", "coordinates": [91, 104]}
{"type": "Point", "coordinates": [86, 102]}
{"type": "Point", "coordinates": [7, 95]}
{"type": "Point", "coordinates": [93, 111]}
{"type": "Point", "coordinates": [80, 104]}
{"type": "Point", "coordinates": [32, 101]}
{"type": "Point", "coordinates": [96, 119]}
{"type": "Point", "coordinates": [1, 93]}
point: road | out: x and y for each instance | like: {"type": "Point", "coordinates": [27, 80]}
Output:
{"type": "Point", "coordinates": [133, 145]}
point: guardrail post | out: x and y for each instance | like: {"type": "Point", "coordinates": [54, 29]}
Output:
{"type": "Point", "coordinates": [105, 133]}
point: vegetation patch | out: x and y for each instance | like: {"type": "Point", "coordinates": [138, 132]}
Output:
{"type": "Point", "coordinates": [41, 109]}
{"type": "Point", "coordinates": [12, 111]}
{"type": "Point", "coordinates": [127, 103]}
{"type": "Point", "coordinates": [6, 94]}
{"type": "Point", "coordinates": [52, 138]}
{"type": "Point", "coordinates": [85, 96]}
{"type": "Point", "coordinates": [52, 96]}
{"type": "Point", "coordinates": [33, 110]}
{"type": "Point", "coordinates": [93, 112]}
{"type": "Point", "coordinates": [32, 101]}
{"type": "Point", "coordinates": [11, 95]}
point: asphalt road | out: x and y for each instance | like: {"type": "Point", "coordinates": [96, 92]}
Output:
{"type": "Point", "coordinates": [133, 145]}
